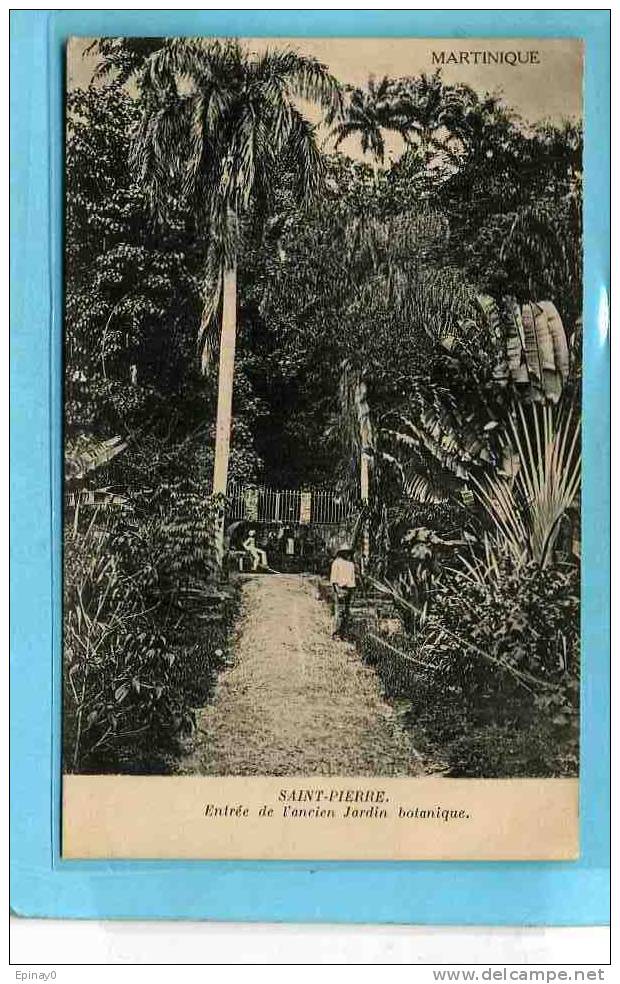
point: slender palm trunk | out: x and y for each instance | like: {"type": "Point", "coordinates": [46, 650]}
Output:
{"type": "Point", "coordinates": [365, 496]}
{"type": "Point", "coordinates": [224, 396]}
{"type": "Point", "coordinates": [366, 442]}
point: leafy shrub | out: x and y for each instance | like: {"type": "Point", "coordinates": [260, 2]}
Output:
{"type": "Point", "coordinates": [515, 635]}
{"type": "Point", "coordinates": [508, 652]}
{"type": "Point", "coordinates": [489, 682]}
{"type": "Point", "coordinates": [118, 696]}
{"type": "Point", "coordinates": [146, 627]}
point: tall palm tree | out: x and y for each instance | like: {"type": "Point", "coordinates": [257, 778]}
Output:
{"type": "Point", "coordinates": [477, 127]}
{"type": "Point", "coordinates": [368, 112]}
{"type": "Point", "coordinates": [220, 124]}
{"type": "Point", "coordinates": [418, 106]}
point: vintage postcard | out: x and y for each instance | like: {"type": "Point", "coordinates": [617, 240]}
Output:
{"type": "Point", "coordinates": [322, 406]}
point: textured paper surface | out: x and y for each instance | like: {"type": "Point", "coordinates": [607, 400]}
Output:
{"type": "Point", "coordinates": [551, 88]}
{"type": "Point", "coordinates": [329, 817]}
{"type": "Point", "coordinates": [161, 817]}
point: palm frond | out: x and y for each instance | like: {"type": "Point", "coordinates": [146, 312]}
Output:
{"type": "Point", "coordinates": [302, 75]}
{"type": "Point", "coordinates": [122, 57]}
{"type": "Point", "coordinates": [87, 454]}
{"type": "Point", "coordinates": [527, 514]}
{"type": "Point", "coordinates": [217, 124]}
{"type": "Point", "coordinates": [306, 156]}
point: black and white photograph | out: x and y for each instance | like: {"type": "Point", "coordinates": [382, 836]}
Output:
{"type": "Point", "coordinates": [322, 407]}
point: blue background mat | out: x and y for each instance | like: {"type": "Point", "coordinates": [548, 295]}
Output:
{"type": "Point", "coordinates": [491, 893]}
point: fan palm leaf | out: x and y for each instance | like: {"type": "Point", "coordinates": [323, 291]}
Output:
{"type": "Point", "coordinates": [527, 514]}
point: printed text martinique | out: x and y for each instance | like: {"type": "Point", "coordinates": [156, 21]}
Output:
{"type": "Point", "coordinates": [486, 57]}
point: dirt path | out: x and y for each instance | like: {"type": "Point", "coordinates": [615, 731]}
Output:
{"type": "Point", "coordinates": [294, 701]}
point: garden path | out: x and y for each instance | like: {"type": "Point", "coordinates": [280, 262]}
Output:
{"type": "Point", "coordinates": [294, 701]}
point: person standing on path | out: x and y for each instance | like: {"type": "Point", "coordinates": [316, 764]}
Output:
{"type": "Point", "coordinates": [342, 578]}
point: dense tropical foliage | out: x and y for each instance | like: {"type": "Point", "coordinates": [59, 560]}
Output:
{"type": "Point", "coordinates": [421, 313]}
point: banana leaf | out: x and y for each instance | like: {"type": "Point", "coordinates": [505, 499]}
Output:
{"type": "Point", "coordinates": [532, 352]}
{"type": "Point", "coordinates": [543, 336]}
{"type": "Point", "coordinates": [515, 342]}
{"type": "Point", "coordinates": [558, 339]}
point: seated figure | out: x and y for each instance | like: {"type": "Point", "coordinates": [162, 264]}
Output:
{"type": "Point", "coordinates": [259, 557]}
